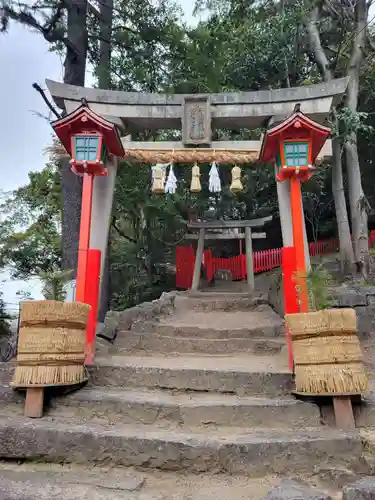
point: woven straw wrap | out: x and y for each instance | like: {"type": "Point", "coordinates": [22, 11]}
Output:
{"type": "Point", "coordinates": [327, 352]}
{"type": "Point", "coordinates": [51, 344]}
{"type": "Point", "coordinates": [47, 311]}
{"type": "Point", "coordinates": [322, 323]}
{"type": "Point", "coordinates": [332, 349]}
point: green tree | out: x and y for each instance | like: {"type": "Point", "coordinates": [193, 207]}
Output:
{"type": "Point", "coordinates": [281, 44]}
{"type": "Point", "coordinates": [63, 24]}
{"type": "Point", "coordinates": [4, 317]}
{"type": "Point", "coordinates": [143, 46]}
{"type": "Point", "coordinates": [30, 234]}
{"type": "Point", "coordinates": [338, 56]}
{"type": "Point", "coordinates": [54, 284]}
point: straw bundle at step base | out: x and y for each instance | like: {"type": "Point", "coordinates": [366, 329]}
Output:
{"type": "Point", "coordinates": [327, 352]}
{"type": "Point", "coordinates": [51, 344]}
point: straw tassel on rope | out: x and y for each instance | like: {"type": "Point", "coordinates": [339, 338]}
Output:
{"type": "Point", "coordinates": [236, 185]}
{"type": "Point", "coordinates": [158, 176]}
{"type": "Point", "coordinates": [195, 186]}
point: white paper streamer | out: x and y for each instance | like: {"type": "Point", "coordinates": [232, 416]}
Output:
{"type": "Point", "coordinates": [171, 185]}
{"type": "Point", "coordinates": [215, 183]}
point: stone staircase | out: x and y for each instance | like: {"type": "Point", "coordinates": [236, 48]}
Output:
{"type": "Point", "coordinates": [193, 405]}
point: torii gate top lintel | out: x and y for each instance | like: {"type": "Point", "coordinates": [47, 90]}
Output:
{"type": "Point", "coordinates": [62, 93]}
{"type": "Point", "coordinates": [229, 224]}
{"type": "Point", "coordinates": [197, 116]}
{"type": "Point", "coordinates": [137, 111]}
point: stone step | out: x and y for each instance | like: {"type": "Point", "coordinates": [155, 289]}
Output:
{"type": "Point", "coordinates": [219, 325]}
{"type": "Point", "coordinates": [221, 293]}
{"type": "Point", "coordinates": [6, 372]}
{"type": "Point", "coordinates": [43, 485]}
{"type": "Point", "coordinates": [363, 408]}
{"type": "Point", "coordinates": [296, 490]}
{"type": "Point", "coordinates": [241, 375]}
{"type": "Point", "coordinates": [363, 489]}
{"type": "Point", "coordinates": [149, 343]}
{"type": "Point", "coordinates": [365, 412]}
{"type": "Point", "coordinates": [208, 302]}
{"type": "Point", "coordinates": [145, 406]}
{"type": "Point", "coordinates": [129, 406]}
{"type": "Point", "coordinates": [43, 481]}
{"type": "Point", "coordinates": [258, 453]}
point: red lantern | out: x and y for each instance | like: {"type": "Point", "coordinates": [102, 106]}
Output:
{"type": "Point", "coordinates": [294, 146]}
{"type": "Point", "coordinates": [89, 139]}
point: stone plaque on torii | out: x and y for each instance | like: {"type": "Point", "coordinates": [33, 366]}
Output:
{"type": "Point", "coordinates": [196, 121]}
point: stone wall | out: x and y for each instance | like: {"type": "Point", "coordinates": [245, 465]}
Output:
{"type": "Point", "coordinates": [147, 311]}
{"type": "Point", "coordinates": [362, 299]}
{"type": "Point", "coordinates": [270, 284]}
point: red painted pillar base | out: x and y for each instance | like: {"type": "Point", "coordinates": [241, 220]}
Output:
{"type": "Point", "coordinates": [291, 306]}
{"type": "Point", "coordinates": [84, 236]}
{"type": "Point", "coordinates": [92, 298]}
{"type": "Point", "coordinates": [88, 270]}
{"type": "Point", "coordinates": [299, 244]}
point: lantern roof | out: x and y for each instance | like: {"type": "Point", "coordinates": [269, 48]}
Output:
{"type": "Point", "coordinates": [84, 120]}
{"type": "Point", "coordinates": [297, 127]}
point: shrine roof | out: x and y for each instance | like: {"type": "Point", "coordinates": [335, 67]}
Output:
{"type": "Point", "coordinates": [279, 126]}
{"type": "Point", "coordinates": [83, 118]}
{"type": "Point", "coordinates": [286, 130]}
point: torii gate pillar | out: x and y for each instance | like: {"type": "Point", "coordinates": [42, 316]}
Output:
{"type": "Point", "coordinates": [293, 145]}
{"type": "Point", "coordinates": [93, 144]}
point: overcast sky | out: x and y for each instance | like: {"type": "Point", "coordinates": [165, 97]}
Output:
{"type": "Point", "coordinates": [24, 59]}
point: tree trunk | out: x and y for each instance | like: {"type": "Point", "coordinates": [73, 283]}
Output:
{"type": "Point", "coordinates": [76, 54]}
{"type": "Point", "coordinates": [75, 42]}
{"type": "Point", "coordinates": [358, 208]}
{"type": "Point", "coordinates": [104, 67]}
{"type": "Point", "coordinates": [71, 184]}
{"type": "Point", "coordinates": [346, 247]}
{"type": "Point", "coordinates": [357, 199]}
{"type": "Point", "coordinates": [104, 81]}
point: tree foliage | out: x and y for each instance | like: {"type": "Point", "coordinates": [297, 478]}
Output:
{"type": "Point", "coordinates": [4, 317]}
{"type": "Point", "coordinates": [30, 234]}
{"type": "Point", "coordinates": [254, 45]}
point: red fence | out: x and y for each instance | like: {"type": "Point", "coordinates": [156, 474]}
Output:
{"type": "Point", "coordinates": [262, 261]}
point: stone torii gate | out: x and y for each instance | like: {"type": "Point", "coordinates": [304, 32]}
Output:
{"type": "Point", "coordinates": [197, 116]}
